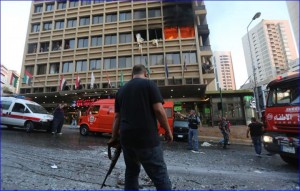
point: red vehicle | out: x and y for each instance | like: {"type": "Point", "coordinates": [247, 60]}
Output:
{"type": "Point", "coordinates": [100, 116]}
{"type": "Point", "coordinates": [282, 118]}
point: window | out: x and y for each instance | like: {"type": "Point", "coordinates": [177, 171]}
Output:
{"type": "Point", "coordinates": [97, 19]}
{"type": "Point", "coordinates": [84, 21]}
{"type": "Point", "coordinates": [30, 69]}
{"type": "Point", "coordinates": [125, 38]}
{"type": "Point", "coordinates": [5, 104]}
{"type": "Point", "coordinates": [61, 5]}
{"type": "Point", "coordinates": [73, 3]}
{"type": "Point", "coordinates": [125, 62]}
{"type": "Point", "coordinates": [156, 59]}
{"type": "Point", "coordinates": [154, 13]}
{"type": "Point", "coordinates": [155, 34]}
{"type": "Point", "coordinates": [190, 58]}
{"type": "Point", "coordinates": [56, 45]}
{"type": "Point", "coordinates": [59, 24]}
{"type": "Point", "coordinates": [173, 58]}
{"type": "Point", "coordinates": [20, 108]}
{"type": "Point", "coordinates": [51, 89]}
{"type": "Point", "coordinates": [44, 47]}
{"type": "Point", "coordinates": [98, 1]}
{"type": "Point", "coordinates": [192, 81]}
{"type": "Point", "coordinates": [124, 16]}
{"type": "Point", "coordinates": [72, 23]}
{"type": "Point", "coordinates": [110, 39]}
{"type": "Point", "coordinates": [49, 7]}
{"type": "Point", "coordinates": [83, 42]}
{"type": "Point", "coordinates": [111, 17]}
{"type": "Point", "coordinates": [175, 81]}
{"type": "Point", "coordinates": [25, 90]}
{"type": "Point", "coordinates": [139, 14]}
{"type": "Point", "coordinates": [95, 64]}
{"type": "Point", "coordinates": [85, 2]}
{"type": "Point", "coordinates": [140, 60]}
{"type": "Point", "coordinates": [47, 26]}
{"type": "Point", "coordinates": [70, 44]}
{"type": "Point", "coordinates": [109, 63]}
{"type": "Point", "coordinates": [81, 66]}
{"type": "Point", "coordinates": [38, 8]}
{"type": "Point", "coordinates": [35, 27]}
{"type": "Point", "coordinates": [54, 68]}
{"type": "Point", "coordinates": [41, 69]}
{"type": "Point", "coordinates": [32, 48]}
{"type": "Point", "coordinates": [96, 41]}
{"type": "Point", "coordinates": [67, 67]}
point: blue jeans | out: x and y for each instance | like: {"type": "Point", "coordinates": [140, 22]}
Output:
{"type": "Point", "coordinates": [193, 139]}
{"type": "Point", "coordinates": [152, 161]}
{"type": "Point", "coordinates": [257, 144]}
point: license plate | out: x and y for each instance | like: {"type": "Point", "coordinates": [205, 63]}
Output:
{"type": "Point", "coordinates": [179, 136]}
{"type": "Point", "coordinates": [287, 149]}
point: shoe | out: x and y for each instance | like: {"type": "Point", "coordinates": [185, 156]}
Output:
{"type": "Point", "coordinates": [258, 155]}
{"type": "Point", "coordinates": [59, 133]}
{"type": "Point", "coordinates": [195, 151]}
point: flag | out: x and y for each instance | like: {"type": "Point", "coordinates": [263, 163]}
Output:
{"type": "Point", "coordinates": [107, 77]}
{"type": "Point", "coordinates": [62, 84]}
{"type": "Point", "coordinates": [147, 67]}
{"type": "Point", "coordinates": [27, 77]}
{"type": "Point", "coordinates": [184, 64]}
{"type": "Point", "coordinates": [166, 68]}
{"type": "Point", "coordinates": [14, 80]}
{"type": "Point", "coordinates": [77, 83]}
{"type": "Point", "coordinates": [122, 79]}
{"type": "Point", "coordinates": [92, 80]}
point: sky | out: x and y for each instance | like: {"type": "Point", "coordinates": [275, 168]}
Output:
{"type": "Point", "coordinates": [227, 21]}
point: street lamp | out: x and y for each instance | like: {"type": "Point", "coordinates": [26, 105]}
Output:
{"type": "Point", "coordinates": [257, 15]}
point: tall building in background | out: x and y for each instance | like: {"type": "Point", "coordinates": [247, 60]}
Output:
{"type": "Point", "coordinates": [9, 81]}
{"type": "Point", "coordinates": [224, 69]}
{"type": "Point", "coordinates": [293, 9]}
{"type": "Point", "coordinates": [273, 48]}
{"type": "Point", "coordinates": [91, 47]}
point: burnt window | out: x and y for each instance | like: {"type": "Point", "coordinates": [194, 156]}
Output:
{"type": "Point", "coordinates": [155, 34]}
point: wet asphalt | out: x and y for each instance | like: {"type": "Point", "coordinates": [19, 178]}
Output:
{"type": "Point", "coordinates": [82, 162]}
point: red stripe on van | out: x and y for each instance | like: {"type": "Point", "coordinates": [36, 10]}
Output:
{"type": "Point", "coordinates": [24, 117]}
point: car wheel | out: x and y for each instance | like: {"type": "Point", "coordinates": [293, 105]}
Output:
{"type": "Point", "coordinates": [290, 160]}
{"type": "Point", "coordinates": [29, 126]}
{"type": "Point", "coordinates": [84, 130]}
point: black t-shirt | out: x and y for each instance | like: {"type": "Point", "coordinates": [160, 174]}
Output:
{"type": "Point", "coordinates": [255, 129]}
{"type": "Point", "coordinates": [138, 125]}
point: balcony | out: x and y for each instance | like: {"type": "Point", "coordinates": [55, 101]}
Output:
{"type": "Point", "coordinates": [200, 10]}
{"type": "Point", "coordinates": [203, 29]}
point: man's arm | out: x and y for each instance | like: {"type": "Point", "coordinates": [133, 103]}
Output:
{"type": "Point", "coordinates": [163, 120]}
{"type": "Point", "coordinates": [248, 130]}
{"type": "Point", "coordinates": [115, 131]}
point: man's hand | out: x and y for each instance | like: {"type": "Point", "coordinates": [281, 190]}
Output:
{"type": "Point", "coordinates": [169, 136]}
{"type": "Point", "coordinates": [113, 142]}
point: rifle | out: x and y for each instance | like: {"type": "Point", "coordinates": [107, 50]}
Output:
{"type": "Point", "coordinates": [113, 159]}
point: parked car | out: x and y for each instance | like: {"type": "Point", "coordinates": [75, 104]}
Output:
{"type": "Point", "coordinates": [180, 129]}
{"type": "Point", "coordinates": [17, 112]}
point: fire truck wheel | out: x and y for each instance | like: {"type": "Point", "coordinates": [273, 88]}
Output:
{"type": "Point", "coordinates": [84, 130]}
{"type": "Point", "coordinates": [290, 160]}
{"type": "Point", "coordinates": [28, 126]}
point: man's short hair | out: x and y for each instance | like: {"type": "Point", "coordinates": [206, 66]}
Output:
{"type": "Point", "coordinates": [253, 119]}
{"type": "Point", "coordinates": [138, 69]}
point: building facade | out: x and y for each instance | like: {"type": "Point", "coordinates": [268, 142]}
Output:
{"type": "Point", "coordinates": [293, 9]}
{"type": "Point", "coordinates": [9, 81]}
{"type": "Point", "coordinates": [272, 47]}
{"type": "Point", "coordinates": [222, 62]}
{"type": "Point", "coordinates": [93, 45]}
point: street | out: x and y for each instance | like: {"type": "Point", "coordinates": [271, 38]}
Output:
{"type": "Point", "coordinates": [82, 162]}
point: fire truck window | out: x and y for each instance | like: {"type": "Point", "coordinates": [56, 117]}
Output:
{"type": "Point", "coordinates": [95, 109]}
{"type": "Point", "coordinates": [283, 96]}
{"type": "Point", "coordinates": [295, 96]}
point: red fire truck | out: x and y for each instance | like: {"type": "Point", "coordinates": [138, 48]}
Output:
{"type": "Point", "coordinates": [282, 118]}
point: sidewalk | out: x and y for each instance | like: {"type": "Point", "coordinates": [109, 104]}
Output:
{"type": "Point", "coordinates": [213, 134]}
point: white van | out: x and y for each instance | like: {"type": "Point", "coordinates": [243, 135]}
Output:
{"type": "Point", "coordinates": [17, 112]}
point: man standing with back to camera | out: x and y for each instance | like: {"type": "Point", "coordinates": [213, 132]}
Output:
{"type": "Point", "coordinates": [138, 106]}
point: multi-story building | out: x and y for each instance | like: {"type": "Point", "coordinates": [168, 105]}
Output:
{"type": "Point", "coordinates": [293, 9]}
{"type": "Point", "coordinates": [100, 41]}
{"type": "Point", "coordinates": [222, 62]}
{"type": "Point", "coordinates": [9, 81]}
{"type": "Point", "coordinates": [272, 47]}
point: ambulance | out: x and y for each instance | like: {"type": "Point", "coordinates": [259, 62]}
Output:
{"type": "Point", "coordinates": [16, 112]}
{"type": "Point", "coordinates": [99, 117]}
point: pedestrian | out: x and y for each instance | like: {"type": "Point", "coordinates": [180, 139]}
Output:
{"type": "Point", "coordinates": [138, 106]}
{"type": "Point", "coordinates": [256, 131]}
{"type": "Point", "coordinates": [194, 122]}
{"type": "Point", "coordinates": [74, 122]}
{"type": "Point", "coordinates": [58, 119]}
{"type": "Point", "coordinates": [223, 126]}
